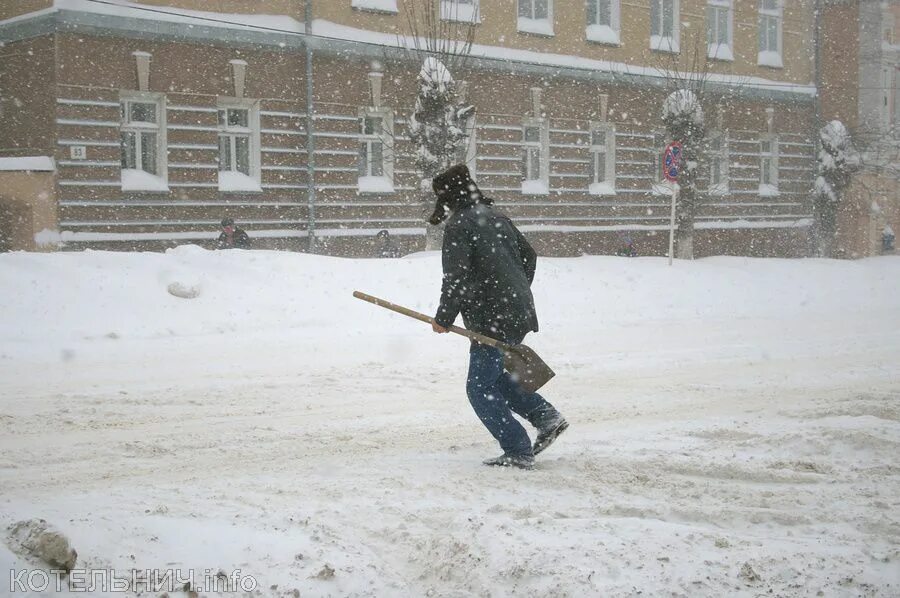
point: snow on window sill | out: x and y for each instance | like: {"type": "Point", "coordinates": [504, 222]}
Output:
{"type": "Point", "coordinates": [664, 188]}
{"type": "Point", "coordinates": [460, 13]}
{"type": "Point", "coordinates": [376, 5]}
{"type": "Point", "coordinates": [139, 180]}
{"type": "Point", "coordinates": [231, 181]}
{"type": "Point", "coordinates": [770, 59]}
{"type": "Point", "coordinates": [375, 184]}
{"type": "Point", "coordinates": [602, 189]}
{"type": "Point", "coordinates": [664, 44]}
{"type": "Point", "coordinates": [536, 26]}
{"type": "Point", "coordinates": [602, 34]}
{"type": "Point", "coordinates": [535, 188]}
{"type": "Point", "coordinates": [720, 52]}
{"type": "Point", "coordinates": [768, 191]}
{"type": "Point", "coordinates": [719, 190]}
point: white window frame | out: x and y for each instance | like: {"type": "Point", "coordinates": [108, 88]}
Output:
{"type": "Point", "coordinates": [382, 6]}
{"type": "Point", "coordinates": [462, 11]}
{"type": "Point", "coordinates": [144, 97]}
{"type": "Point", "coordinates": [540, 185]}
{"type": "Point", "coordinates": [470, 152]}
{"type": "Point", "coordinates": [718, 50]}
{"type": "Point", "coordinates": [605, 33]}
{"type": "Point", "coordinates": [768, 188]}
{"type": "Point", "coordinates": [766, 56]}
{"type": "Point", "coordinates": [251, 132]}
{"type": "Point", "coordinates": [532, 24]}
{"type": "Point", "coordinates": [720, 160]}
{"type": "Point", "coordinates": [384, 137]}
{"type": "Point", "coordinates": [607, 186]}
{"type": "Point", "coordinates": [661, 42]}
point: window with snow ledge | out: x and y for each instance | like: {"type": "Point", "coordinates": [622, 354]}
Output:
{"type": "Point", "coordinates": [665, 31]}
{"type": "Point", "coordinates": [376, 156]}
{"type": "Point", "coordinates": [239, 156]}
{"type": "Point", "coordinates": [603, 159]}
{"type": "Point", "coordinates": [603, 22]}
{"type": "Point", "coordinates": [771, 15]}
{"type": "Point", "coordinates": [535, 157]}
{"type": "Point", "coordinates": [536, 16]}
{"type": "Point", "coordinates": [463, 11]}
{"type": "Point", "coordinates": [389, 6]}
{"type": "Point", "coordinates": [768, 167]}
{"type": "Point", "coordinates": [143, 142]}
{"type": "Point", "coordinates": [717, 152]}
{"type": "Point", "coordinates": [720, 29]}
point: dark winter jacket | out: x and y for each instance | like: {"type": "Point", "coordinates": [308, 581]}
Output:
{"type": "Point", "coordinates": [239, 240]}
{"type": "Point", "coordinates": [488, 270]}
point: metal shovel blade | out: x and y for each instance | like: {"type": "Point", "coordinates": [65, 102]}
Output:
{"type": "Point", "coordinates": [525, 367]}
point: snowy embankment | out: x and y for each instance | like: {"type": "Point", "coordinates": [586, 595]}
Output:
{"type": "Point", "coordinates": [735, 426]}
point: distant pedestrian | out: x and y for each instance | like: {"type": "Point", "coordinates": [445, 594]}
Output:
{"type": "Point", "coordinates": [232, 237]}
{"type": "Point", "coordinates": [386, 245]}
{"type": "Point", "coordinates": [627, 248]}
{"type": "Point", "coordinates": [488, 269]}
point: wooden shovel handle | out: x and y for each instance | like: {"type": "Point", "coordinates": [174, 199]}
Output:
{"type": "Point", "coordinates": [485, 340]}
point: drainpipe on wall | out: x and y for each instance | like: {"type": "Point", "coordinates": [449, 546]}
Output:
{"type": "Point", "coordinates": [817, 120]}
{"type": "Point", "coordinates": [310, 131]}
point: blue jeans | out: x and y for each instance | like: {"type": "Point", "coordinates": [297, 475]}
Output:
{"type": "Point", "coordinates": [495, 397]}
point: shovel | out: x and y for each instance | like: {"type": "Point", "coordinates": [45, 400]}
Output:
{"type": "Point", "coordinates": [522, 363]}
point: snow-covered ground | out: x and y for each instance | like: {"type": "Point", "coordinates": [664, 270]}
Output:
{"type": "Point", "coordinates": [735, 426]}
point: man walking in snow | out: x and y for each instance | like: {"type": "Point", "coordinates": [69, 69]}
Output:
{"type": "Point", "coordinates": [488, 269]}
{"type": "Point", "coordinates": [232, 236]}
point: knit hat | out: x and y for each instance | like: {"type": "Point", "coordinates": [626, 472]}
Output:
{"type": "Point", "coordinates": [454, 188]}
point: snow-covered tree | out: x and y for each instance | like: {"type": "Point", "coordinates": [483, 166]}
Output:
{"type": "Point", "coordinates": [438, 124]}
{"type": "Point", "coordinates": [441, 42]}
{"type": "Point", "coordinates": [683, 118]}
{"type": "Point", "coordinates": [438, 128]}
{"type": "Point", "coordinates": [838, 161]}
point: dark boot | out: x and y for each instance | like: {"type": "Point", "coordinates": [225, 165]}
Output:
{"type": "Point", "coordinates": [547, 435]}
{"type": "Point", "coordinates": [506, 460]}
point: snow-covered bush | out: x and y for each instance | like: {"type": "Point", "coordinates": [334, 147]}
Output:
{"type": "Point", "coordinates": [838, 160]}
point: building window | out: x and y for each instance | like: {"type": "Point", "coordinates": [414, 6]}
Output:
{"type": "Point", "coordinates": [770, 33]}
{"type": "Point", "coordinates": [664, 25]}
{"type": "Point", "coordinates": [239, 146]}
{"type": "Point", "coordinates": [718, 164]}
{"type": "Point", "coordinates": [719, 29]}
{"type": "Point", "coordinates": [376, 163]}
{"type": "Point", "coordinates": [464, 11]}
{"type": "Point", "coordinates": [768, 167]}
{"type": "Point", "coordinates": [143, 143]}
{"type": "Point", "coordinates": [603, 21]}
{"type": "Point", "coordinates": [535, 167]}
{"type": "Point", "coordinates": [603, 159]}
{"type": "Point", "coordinates": [388, 6]}
{"type": "Point", "coordinates": [536, 16]}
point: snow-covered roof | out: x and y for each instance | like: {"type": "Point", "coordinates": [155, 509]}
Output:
{"type": "Point", "coordinates": [327, 29]}
{"type": "Point", "coordinates": [124, 8]}
{"type": "Point", "coordinates": [28, 163]}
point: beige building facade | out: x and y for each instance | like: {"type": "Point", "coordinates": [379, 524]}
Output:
{"type": "Point", "coordinates": [861, 88]}
{"type": "Point", "coordinates": [162, 117]}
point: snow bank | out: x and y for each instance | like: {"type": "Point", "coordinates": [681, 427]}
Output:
{"type": "Point", "coordinates": [91, 294]}
{"type": "Point", "coordinates": [28, 163]}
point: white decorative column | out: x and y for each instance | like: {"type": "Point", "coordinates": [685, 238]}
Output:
{"type": "Point", "coordinates": [142, 60]}
{"type": "Point", "coordinates": [239, 76]}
